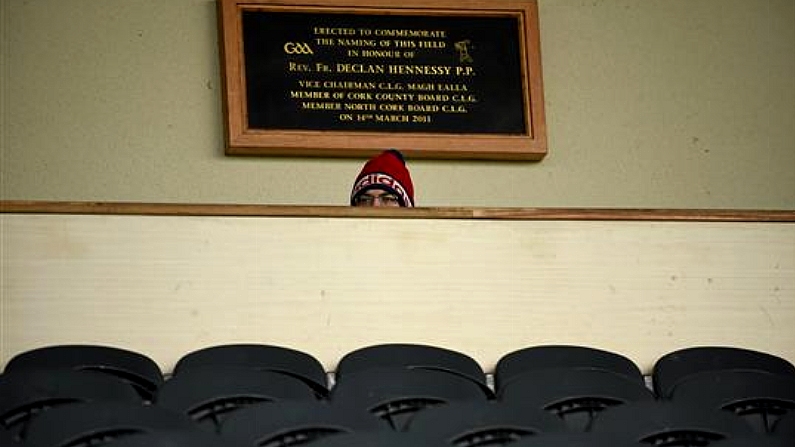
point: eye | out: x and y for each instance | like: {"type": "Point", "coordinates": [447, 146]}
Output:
{"type": "Point", "coordinates": [389, 200]}
{"type": "Point", "coordinates": [365, 200]}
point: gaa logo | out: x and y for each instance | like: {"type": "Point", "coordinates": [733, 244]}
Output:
{"type": "Point", "coordinates": [297, 48]}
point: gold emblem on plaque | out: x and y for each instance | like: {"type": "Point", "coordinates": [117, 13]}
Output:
{"type": "Point", "coordinates": [463, 51]}
{"type": "Point", "coordinates": [298, 48]}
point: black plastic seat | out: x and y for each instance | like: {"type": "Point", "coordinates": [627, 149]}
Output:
{"type": "Point", "coordinates": [7, 439]}
{"type": "Point", "coordinates": [412, 356]}
{"type": "Point", "coordinates": [574, 395]}
{"type": "Point", "coordinates": [755, 441]}
{"type": "Point", "coordinates": [785, 426]}
{"type": "Point", "coordinates": [173, 438]}
{"type": "Point", "coordinates": [674, 367]}
{"type": "Point", "coordinates": [758, 397]}
{"type": "Point", "coordinates": [209, 394]}
{"type": "Point", "coordinates": [562, 356]}
{"type": "Point", "coordinates": [472, 424]}
{"type": "Point", "coordinates": [572, 439]}
{"type": "Point", "coordinates": [96, 423]}
{"type": "Point", "coordinates": [664, 423]}
{"type": "Point", "coordinates": [283, 424]}
{"type": "Point", "coordinates": [263, 357]}
{"type": "Point", "coordinates": [396, 394]}
{"type": "Point", "coordinates": [375, 439]}
{"type": "Point", "coordinates": [26, 393]}
{"type": "Point", "coordinates": [132, 367]}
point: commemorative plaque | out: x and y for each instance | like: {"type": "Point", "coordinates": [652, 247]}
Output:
{"type": "Point", "coordinates": [353, 77]}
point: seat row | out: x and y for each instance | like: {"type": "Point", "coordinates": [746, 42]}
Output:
{"type": "Point", "coordinates": [455, 424]}
{"type": "Point", "coordinates": [395, 394]}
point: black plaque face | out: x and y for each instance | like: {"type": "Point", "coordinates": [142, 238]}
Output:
{"type": "Point", "coordinates": [383, 73]}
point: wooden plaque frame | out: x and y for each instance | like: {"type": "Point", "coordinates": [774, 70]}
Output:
{"type": "Point", "coordinates": [242, 139]}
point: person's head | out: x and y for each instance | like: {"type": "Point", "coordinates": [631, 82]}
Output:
{"type": "Point", "coordinates": [384, 181]}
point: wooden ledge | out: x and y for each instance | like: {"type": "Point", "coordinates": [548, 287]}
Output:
{"type": "Point", "coordinates": [183, 209]}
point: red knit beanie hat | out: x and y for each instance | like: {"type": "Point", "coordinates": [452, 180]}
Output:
{"type": "Point", "coordinates": [386, 171]}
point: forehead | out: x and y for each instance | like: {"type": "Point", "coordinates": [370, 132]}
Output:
{"type": "Point", "coordinates": [376, 192]}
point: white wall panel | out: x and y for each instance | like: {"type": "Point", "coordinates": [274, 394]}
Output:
{"type": "Point", "coordinates": [167, 285]}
